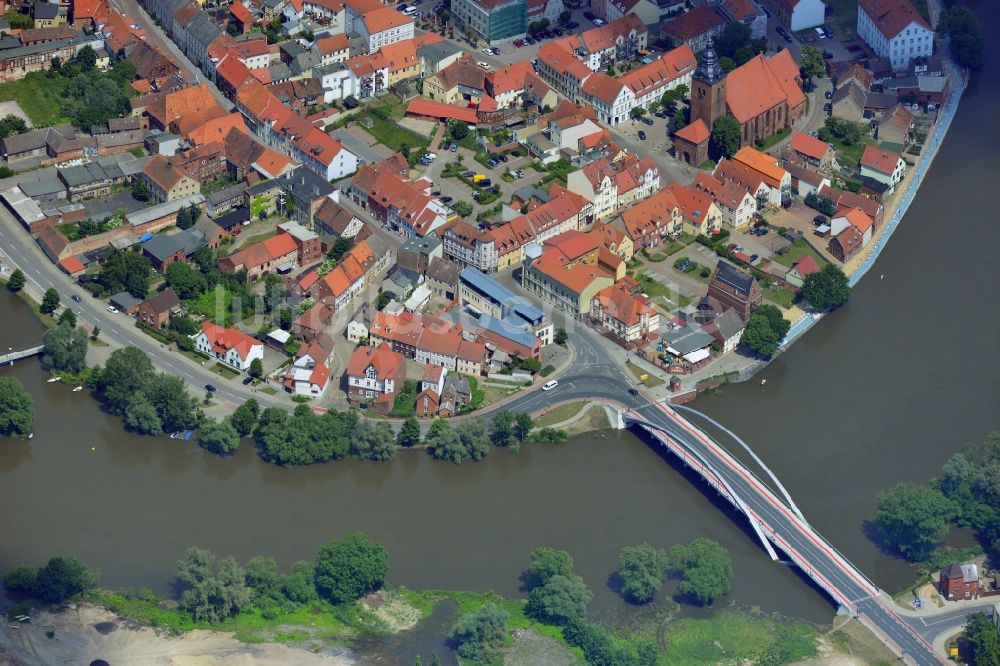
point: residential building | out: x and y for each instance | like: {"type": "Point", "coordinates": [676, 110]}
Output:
{"type": "Point", "coordinates": [307, 243]}
{"type": "Point", "coordinates": [800, 269]}
{"type": "Point", "coordinates": [727, 329]}
{"type": "Point", "coordinates": [165, 249]}
{"type": "Point", "coordinates": [332, 218]}
{"type": "Point", "coordinates": [276, 254]}
{"type": "Point", "coordinates": [373, 377]}
{"type": "Point", "coordinates": [746, 12]}
{"type": "Point", "coordinates": [156, 311]}
{"type": "Point", "coordinates": [494, 21]}
{"type": "Point", "coordinates": [466, 245]}
{"type": "Point", "coordinates": [567, 283]}
{"type": "Point", "coordinates": [764, 94]}
{"type": "Point", "coordinates": [883, 166]}
{"type": "Point", "coordinates": [610, 185]}
{"type": "Point", "coordinates": [619, 40]}
{"type": "Point", "coordinates": [766, 168]}
{"type": "Point", "coordinates": [959, 582]}
{"type": "Point", "coordinates": [846, 244]}
{"type": "Point", "coordinates": [733, 197]}
{"type": "Point", "coordinates": [699, 212]}
{"type": "Point", "coordinates": [167, 182]}
{"type": "Point", "coordinates": [648, 222]}
{"type": "Point", "coordinates": [308, 375]}
{"type": "Point", "coordinates": [383, 26]}
{"type": "Point", "coordinates": [461, 82]}
{"type": "Point", "coordinates": [695, 27]}
{"type": "Point", "coordinates": [894, 29]}
{"type": "Point", "coordinates": [486, 295]}
{"type": "Point", "coordinates": [797, 15]}
{"type": "Point", "coordinates": [442, 278]}
{"type": "Point", "coordinates": [623, 313]}
{"type": "Point", "coordinates": [229, 345]}
{"type": "Point", "coordinates": [735, 289]}
{"type": "Point", "coordinates": [333, 48]}
{"type": "Point", "coordinates": [895, 126]}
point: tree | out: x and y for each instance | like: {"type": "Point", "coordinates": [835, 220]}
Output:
{"type": "Point", "coordinates": [126, 270]}
{"type": "Point", "coordinates": [11, 125]}
{"type": "Point", "coordinates": [641, 569]}
{"type": "Point", "coordinates": [409, 433]}
{"type": "Point", "coordinates": [562, 599]}
{"type": "Point", "coordinates": [140, 416]}
{"type": "Point", "coordinates": [63, 578]}
{"type": "Point", "coordinates": [17, 410]}
{"type": "Point", "coordinates": [444, 442]}
{"type": "Point", "coordinates": [735, 36]}
{"type": "Point", "coordinates": [95, 332]}
{"type": "Point", "coordinates": [705, 570]}
{"type": "Point", "coordinates": [775, 319]}
{"type": "Point", "coordinates": [532, 365]}
{"type": "Point", "coordinates": [86, 58]}
{"type": "Point", "coordinates": [176, 408]}
{"type": "Point", "coordinates": [373, 441]}
{"type": "Point", "coordinates": [546, 563]}
{"type": "Point", "coordinates": [219, 437]}
{"type": "Point", "coordinates": [184, 220]}
{"type": "Point", "coordinates": [812, 63]}
{"type": "Point", "coordinates": [478, 635]}
{"type": "Point", "coordinates": [638, 112]}
{"type": "Point", "coordinates": [727, 64]}
{"type": "Point", "coordinates": [298, 586]}
{"type": "Point", "coordinates": [92, 99]}
{"type": "Point", "coordinates": [65, 347]}
{"type": "Point", "coordinates": [16, 281]}
{"type": "Point", "coordinates": [349, 568]}
{"type": "Point", "coordinates": [962, 29]}
{"type": "Point", "coordinates": [826, 289]}
{"type": "Point", "coordinates": [982, 639]}
{"type": "Point", "coordinates": [244, 418]}
{"type": "Point", "coordinates": [726, 135]}
{"type": "Point", "coordinates": [20, 579]}
{"type": "Point", "coordinates": [185, 280]}
{"type": "Point", "coordinates": [462, 208]}
{"type": "Point", "coordinates": [126, 374]}
{"type": "Point", "coordinates": [214, 589]}
{"type": "Point", "coordinates": [67, 317]}
{"type": "Point", "coordinates": [140, 190]}
{"type": "Point", "coordinates": [560, 337]}
{"type": "Point", "coordinates": [17, 20]}
{"type": "Point", "coordinates": [341, 246]}
{"type": "Point", "coordinates": [458, 131]}
{"type": "Point", "coordinates": [50, 301]}
{"type": "Point", "coordinates": [759, 337]}
{"type": "Point", "coordinates": [914, 519]}
{"type": "Point", "coordinates": [256, 368]}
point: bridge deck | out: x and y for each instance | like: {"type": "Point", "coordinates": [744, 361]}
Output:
{"type": "Point", "coordinates": [18, 355]}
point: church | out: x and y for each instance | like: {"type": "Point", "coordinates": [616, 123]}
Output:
{"type": "Point", "coordinates": [764, 95]}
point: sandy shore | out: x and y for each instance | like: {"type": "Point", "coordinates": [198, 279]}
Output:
{"type": "Point", "coordinates": [76, 640]}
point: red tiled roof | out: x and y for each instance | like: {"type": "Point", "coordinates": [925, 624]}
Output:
{"type": "Point", "coordinates": [809, 146]}
{"type": "Point", "coordinates": [223, 339]}
{"type": "Point", "coordinates": [691, 24]}
{"type": "Point", "coordinates": [72, 265]}
{"type": "Point", "coordinates": [571, 244]}
{"type": "Point", "coordinates": [280, 245]}
{"type": "Point", "coordinates": [241, 13]}
{"type": "Point", "coordinates": [333, 44]}
{"type": "Point", "coordinates": [425, 107]}
{"type": "Point", "coordinates": [892, 16]}
{"type": "Point", "coordinates": [859, 219]}
{"type": "Point", "coordinates": [387, 363]}
{"type": "Point", "coordinates": [761, 84]}
{"type": "Point", "coordinates": [384, 18]}
{"type": "Point", "coordinates": [880, 160]}
{"type": "Point", "coordinates": [805, 266]}
{"type": "Point", "coordinates": [697, 132]}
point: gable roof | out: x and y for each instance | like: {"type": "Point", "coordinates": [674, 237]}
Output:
{"type": "Point", "coordinates": [879, 160]}
{"type": "Point", "coordinates": [809, 146]}
{"type": "Point", "coordinates": [223, 339]}
{"type": "Point", "coordinates": [805, 266]}
{"type": "Point", "coordinates": [384, 18]}
{"type": "Point", "coordinates": [162, 173]}
{"type": "Point", "coordinates": [761, 84]}
{"type": "Point", "coordinates": [694, 23]}
{"type": "Point", "coordinates": [764, 164]}
{"type": "Point", "coordinates": [892, 16]}
{"type": "Point", "coordinates": [386, 362]}
{"type": "Point", "coordinates": [696, 132]}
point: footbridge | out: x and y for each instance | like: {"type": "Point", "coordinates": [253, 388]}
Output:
{"type": "Point", "coordinates": [12, 356]}
{"type": "Point", "coordinates": [780, 526]}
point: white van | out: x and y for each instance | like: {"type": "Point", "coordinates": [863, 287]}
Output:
{"type": "Point", "coordinates": [820, 34]}
{"type": "Point", "coordinates": [549, 385]}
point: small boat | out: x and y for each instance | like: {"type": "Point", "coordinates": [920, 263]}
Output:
{"type": "Point", "coordinates": [53, 379]}
{"type": "Point", "coordinates": [31, 435]}
{"type": "Point", "coordinates": [174, 435]}
{"type": "Point", "coordinates": [77, 389]}
{"type": "Point", "coordinates": [187, 435]}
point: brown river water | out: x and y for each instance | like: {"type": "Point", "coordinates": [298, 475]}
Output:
{"type": "Point", "coordinates": [880, 392]}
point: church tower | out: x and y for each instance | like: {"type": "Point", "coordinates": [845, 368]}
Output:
{"type": "Point", "coordinates": [708, 88]}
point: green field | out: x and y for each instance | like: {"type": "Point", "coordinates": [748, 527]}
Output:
{"type": "Point", "coordinates": [732, 637]}
{"type": "Point", "coordinates": [39, 96]}
{"type": "Point", "coordinates": [559, 414]}
{"type": "Point", "coordinates": [783, 296]}
{"type": "Point", "coordinates": [796, 251]}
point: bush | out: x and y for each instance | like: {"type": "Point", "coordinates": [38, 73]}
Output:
{"type": "Point", "coordinates": [63, 578]}
{"type": "Point", "coordinates": [20, 579]}
{"type": "Point", "coordinates": [349, 568]}
{"type": "Point", "coordinates": [478, 635]}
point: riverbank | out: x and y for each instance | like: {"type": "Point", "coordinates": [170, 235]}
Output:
{"type": "Point", "coordinates": [147, 631]}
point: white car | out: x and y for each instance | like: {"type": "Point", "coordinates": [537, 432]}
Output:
{"type": "Point", "coordinates": [484, 65]}
{"type": "Point", "coordinates": [598, 22]}
{"type": "Point", "coordinates": [112, 309]}
{"type": "Point", "coordinates": [549, 385]}
{"type": "Point", "coordinates": [487, 50]}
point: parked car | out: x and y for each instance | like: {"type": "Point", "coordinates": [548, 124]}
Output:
{"type": "Point", "coordinates": [496, 50]}
{"type": "Point", "coordinates": [247, 380]}
{"type": "Point", "coordinates": [829, 94]}
{"type": "Point", "coordinates": [485, 183]}
{"type": "Point", "coordinates": [483, 65]}
{"type": "Point", "coordinates": [819, 219]}
{"type": "Point", "coordinates": [828, 32]}
{"type": "Point", "coordinates": [827, 55]}
{"type": "Point", "coordinates": [76, 297]}
{"type": "Point", "coordinates": [647, 121]}
{"type": "Point", "coordinates": [598, 22]}
{"type": "Point", "coordinates": [487, 50]}
{"type": "Point", "coordinates": [502, 158]}
{"type": "Point", "coordinates": [572, 25]}
{"type": "Point", "coordinates": [469, 174]}
{"type": "Point", "coordinates": [642, 135]}
{"type": "Point", "coordinates": [454, 147]}
{"type": "Point", "coordinates": [446, 199]}
{"type": "Point", "coordinates": [828, 107]}
{"type": "Point", "coordinates": [446, 145]}
{"type": "Point", "coordinates": [210, 388]}
{"type": "Point", "coordinates": [531, 40]}
{"type": "Point", "coordinates": [112, 309]}
{"type": "Point", "coordinates": [493, 162]}
{"type": "Point", "coordinates": [633, 391]}
{"type": "Point", "coordinates": [753, 258]}
{"type": "Point", "coordinates": [436, 193]}
{"type": "Point", "coordinates": [590, 16]}
{"type": "Point", "coordinates": [518, 43]}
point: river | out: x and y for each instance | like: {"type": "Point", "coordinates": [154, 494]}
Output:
{"type": "Point", "coordinates": [881, 391]}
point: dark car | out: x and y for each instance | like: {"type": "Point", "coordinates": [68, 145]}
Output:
{"type": "Point", "coordinates": [446, 199]}
{"type": "Point", "coordinates": [210, 388]}
{"type": "Point", "coordinates": [633, 391]}
{"type": "Point", "coordinates": [469, 174]}
{"type": "Point", "coordinates": [436, 193]}
{"type": "Point", "coordinates": [829, 94]}
{"type": "Point", "coordinates": [828, 107]}
{"type": "Point", "coordinates": [819, 219]}
{"type": "Point", "coordinates": [502, 158]}
{"type": "Point", "coordinates": [572, 25]}
{"type": "Point", "coordinates": [76, 297]}
{"type": "Point", "coordinates": [247, 380]}
{"type": "Point", "coordinates": [590, 16]}
{"type": "Point", "coordinates": [642, 135]}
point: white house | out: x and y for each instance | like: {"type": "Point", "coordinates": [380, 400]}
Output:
{"type": "Point", "coordinates": [883, 166]}
{"type": "Point", "coordinates": [894, 29]}
{"type": "Point", "coordinates": [383, 26]}
{"type": "Point", "coordinates": [566, 133]}
{"type": "Point", "coordinates": [797, 14]}
{"type": "Point", "coordinates": [228, 345]}
{"type": "Point", "coordinates": [323, 154]}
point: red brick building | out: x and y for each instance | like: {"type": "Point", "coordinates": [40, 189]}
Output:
{"type": "Point", "coordinates": [960, 581]}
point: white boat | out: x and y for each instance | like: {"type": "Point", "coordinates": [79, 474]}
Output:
{"type": "Point", "coordinates": [31, 435]}
{"type": "Point", "coordinates": [78, 388]}
{"type": "Point", "coordinates": [49, 381]}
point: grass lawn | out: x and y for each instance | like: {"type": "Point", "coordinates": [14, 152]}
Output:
{"type": "Point", "coordinates": [39, 96]}
{"type": "Point", "coordinates": [775, 138]}
{"type": "Point", "coordinates": [851, 155]}
{"type": "Point", "coordinates": [559, 414]}
{"type": "Point", "coordinates": [492, 394]}
{"type": "Point", "coordinates": [225, 371]}
{"type": "Point", "coordinates": [653, 288]}
{"type": "Point", "coordinates": [215, 304]}
{"type": "Point", "coordinates": [268, 390]}
{"type": "Point", "coordinates": [796, 251]}
{"type": "Point", "coordinates": [783, 296]}
{"type": "Point", "coordinates": [250, 240]}
{"type": "Point", "coordinates": [650, 381]}
{"type": "Point", "coordinates": [388, 133]}
{"type": "Point", "coordinates": [734, 637]}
